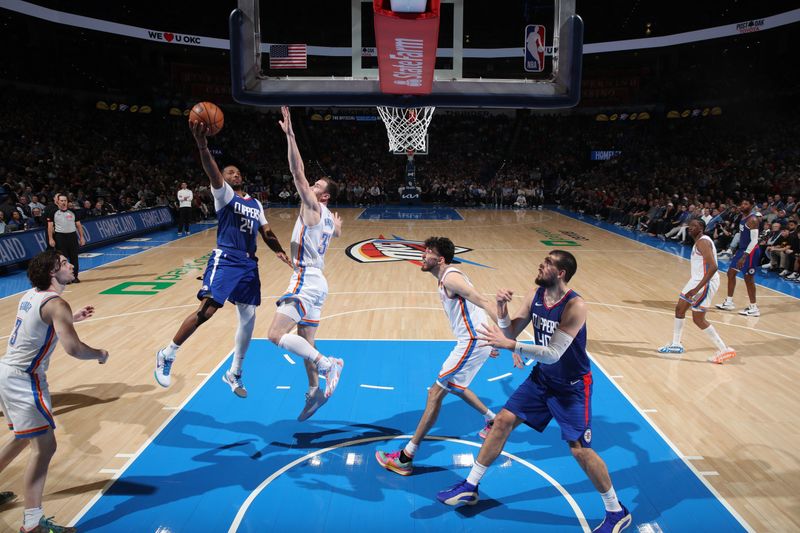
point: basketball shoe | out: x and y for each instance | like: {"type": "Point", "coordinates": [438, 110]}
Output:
{"type": "Point", "coordinates": [460, 493]}
{"type": "Point", "coordinates": [46, 525]}
{"type": "Point", "coordinates": [332, 376]}
{"type": "Point", "coordinates": [235, 383]}
{"type": "Point", "coordinates": [391, 461]}
{"type": "Point", "coordinates": [750, 310]}
{"type": "Point", "coordinates": [615, 521]}
{"type": "Point", "coordinates": [722, 356]}
{"type": "Point", "coordinates": [726, 305]}
{"type": "Point", "coordinates": [671, 348]}
{"type": "Point", "coordinates": [163, 368]}
{"type": "Point", "coordinates": [313, 403]}
{"type": "Point", "coordinates": [486, 429]}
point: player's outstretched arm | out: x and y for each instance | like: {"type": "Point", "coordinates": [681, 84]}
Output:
{"type": "Point", "coordinates": [271, 240]}
{"type": "Point", "coordinates": [296, 162]}
{"type": "Point", "coordinates": [199, 131]}
{"type": "Point", "coordinates": [58, 313]}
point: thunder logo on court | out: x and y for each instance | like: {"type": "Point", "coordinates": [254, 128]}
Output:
{"type": "Point", "coordinates": [383, 250]}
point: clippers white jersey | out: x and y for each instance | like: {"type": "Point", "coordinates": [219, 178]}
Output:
{"type": "Point", "coordinates": [464, 315]}
{"type": "Point", "coordinates": [32, 340]}
{"type": "Point", "coordinates": [698, 264]}
{"type": "Point", "coordinates": [309, 243]}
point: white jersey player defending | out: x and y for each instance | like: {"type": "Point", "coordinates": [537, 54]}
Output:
{"type": "Point", "coordinates": [301, 305]}
{"type": "Point", "coordinates": [697, 293]}
{"type": "Point", "coordinates": [466, 308]}
{"type": "Point", "coordinates": [43, 317]}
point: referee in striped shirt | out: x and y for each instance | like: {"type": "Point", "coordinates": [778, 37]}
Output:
{"type": "Point", "coordinates": [65, 233]}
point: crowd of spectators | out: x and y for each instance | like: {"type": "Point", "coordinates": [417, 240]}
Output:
{"type": "Point", "coordinates": [666, 172]}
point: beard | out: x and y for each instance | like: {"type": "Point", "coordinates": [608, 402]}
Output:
{"type": "Point", "coordinates": [546, 283]}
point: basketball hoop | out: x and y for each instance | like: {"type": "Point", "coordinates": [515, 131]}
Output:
{"type": "Point", "coordinates": [407, 128]}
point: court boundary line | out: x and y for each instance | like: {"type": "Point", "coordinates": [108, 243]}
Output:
{"type": "Point", "coordinates": [567, 214]}
{"type": "Point", "coordinates": [237, 520]}
{"type": "Point", "coordinates": [674, 448]}
{"type": "Point", "coordinates": [147, 442]}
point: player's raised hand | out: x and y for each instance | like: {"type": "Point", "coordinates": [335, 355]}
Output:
{"type": "Point", "coordinates": [337, 224]}
{"type": "Point", "coordinates": [199, 132]}
{"type": "Point", "coordinates": [83, 314]}
{"type": "Point", "coordinates": [286, 123]}
{"type": "Point", "coordinates": [504, 295]}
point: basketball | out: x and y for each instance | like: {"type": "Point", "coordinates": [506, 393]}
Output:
{"type": "Point", "coordinates": [209, 114]}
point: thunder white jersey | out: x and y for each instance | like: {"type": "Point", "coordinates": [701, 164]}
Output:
{"type": "Point", "coordinates": [32, 340]}
{"type": "Point", "coordinates": [698, 264]}
{"type": "Point", "coordinates": [464, 315]}
{"type": "Point", "coordinates": [309, 243]}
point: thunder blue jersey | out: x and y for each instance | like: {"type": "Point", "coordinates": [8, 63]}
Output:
{"type": "Point", "coordinates": [574, 364]}
{"type": "Point", "coordinates": [239, 220]}
{"type": "Point", "coordinates": [744, 238]}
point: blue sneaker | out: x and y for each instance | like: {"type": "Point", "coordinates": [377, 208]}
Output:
{"type": "Point", "coordinates": [615, 521]}
{"type": "Point", "coordinates": [163, 368]}
{"type": "Point", "coordinates": [460, 493]}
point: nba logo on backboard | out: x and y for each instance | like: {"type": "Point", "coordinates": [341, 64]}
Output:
{"type": "Point", "coordinates": [534, 48]}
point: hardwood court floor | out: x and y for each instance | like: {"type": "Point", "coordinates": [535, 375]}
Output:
{"type": "Point", "coordinates": [735, 423]}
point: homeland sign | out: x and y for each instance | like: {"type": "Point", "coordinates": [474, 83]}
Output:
{"type": "Point", "coordinates": [23, 245]}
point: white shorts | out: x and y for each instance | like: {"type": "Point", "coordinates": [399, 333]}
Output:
{"type": "Point", "coordinates": [25, 401]}
{"type": "Point", "coordinates": [704, 296]}
{"type": "Point", "coordinates": [306, 293]}
{"type": "Point", "coordinates": [463, 363]}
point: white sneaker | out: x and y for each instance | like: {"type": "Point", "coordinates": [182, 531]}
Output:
{"type": "Point", "coordinates": [332, 376]}
{"type": "Point", "coordinates": [235, 383]}
{"type": "Point", "coordinates": [726, 306]}
{"type": "Point", "coordinates": [793, 275]}
{"type": "Point", "coordinates": [313, 403]}
{"type": "Point", "coordinates": [784, 273]}
{"type": "Point", "coordinates": [750, 310]}
{"type": "Point", "coordinates": [163, 368]}
{"type": "Point", "coordinates": [671, 348]}
{"type": "Point", "coordinates": [722, 356]}
{"type": "Point", "coordinates": [766, 267]}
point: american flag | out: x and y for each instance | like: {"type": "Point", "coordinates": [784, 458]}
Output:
{"type": "Point", "coordinates": [287, 56]}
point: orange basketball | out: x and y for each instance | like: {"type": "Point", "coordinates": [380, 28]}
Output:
{"type": "Point", "coordinates": [209, 114]}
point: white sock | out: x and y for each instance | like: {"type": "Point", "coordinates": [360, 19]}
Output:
{"type": "Point", "coordinates": [610, 500]}
{"type": "Point", "coordinates": [729, 299]}
{"type": "Point", "coordinates": [715, 338]}
{"type": "Point", "coordinates": [477, 472]}
{"type": "Point", "coordinates": [172, 350]}
{"type": "Point", "coordinates": [247, 321]}
{"type": "Point", "coordinates": [677, 330]}
{"type": "Point", "coordinates": [32, 517]}
{"type": "Point", "coordinates": [488, 415]}
{"type": "Point", "coordinates": [298, 346]}
{"type": "Point", "coordinates": [312, 390]}
{"type": "Point", "coordinates": [410, 449]}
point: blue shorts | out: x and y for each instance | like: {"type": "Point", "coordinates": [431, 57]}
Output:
{"type": "Point", "coordinates": [538, 401]}
{"type": "Point", "coordinates": [750, 263]}
{"type": "Point", "coordinates": [231, 277]}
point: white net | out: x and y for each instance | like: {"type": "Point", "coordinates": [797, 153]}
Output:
{"type": "Point", "coordinates": [407, 127]}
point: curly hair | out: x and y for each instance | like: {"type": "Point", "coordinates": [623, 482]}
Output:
{"type": "Point", "coordinates": [41, 268]}
{"type": "Point", "coordinates": [442, 246]}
